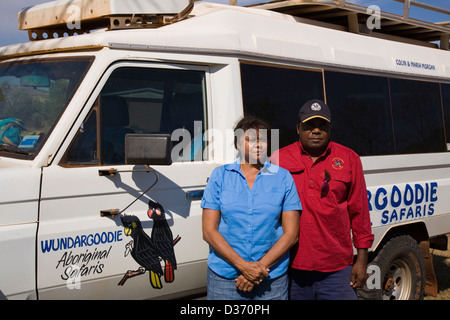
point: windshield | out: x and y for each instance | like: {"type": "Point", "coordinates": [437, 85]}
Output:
{"type": "Point", "coordinates": [32, 96]}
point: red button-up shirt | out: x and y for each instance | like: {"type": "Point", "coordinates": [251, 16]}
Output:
{"type": "Point", "coordinates": [328, 223]}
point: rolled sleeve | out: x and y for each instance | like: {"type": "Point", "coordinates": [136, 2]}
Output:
{"type": "Point", "coordinates": [211, 195]}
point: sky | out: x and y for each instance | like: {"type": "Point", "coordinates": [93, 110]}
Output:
{"type": "Point", "coordinates": [9, 32]}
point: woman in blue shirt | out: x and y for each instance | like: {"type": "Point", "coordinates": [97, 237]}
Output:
{"type": "Point", "coordinates": [250, 220]}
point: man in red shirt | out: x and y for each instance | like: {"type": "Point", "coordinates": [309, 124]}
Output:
{"type": "Point", "coordinates": [331, 186]}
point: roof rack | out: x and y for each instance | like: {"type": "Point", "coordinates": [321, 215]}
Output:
{"type": "Point", "coordinates": [343, 15]}
{"type": "Point", "coordinates": [70, 17]}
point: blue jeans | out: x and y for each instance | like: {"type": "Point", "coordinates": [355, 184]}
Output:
{"type": "Point", "coordinates": [315, 285]}
{"type": "Point", "coordinates": [220, 288]}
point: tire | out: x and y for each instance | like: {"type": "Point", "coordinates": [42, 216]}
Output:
{"type": "Point", "coordinates": [396, 273]}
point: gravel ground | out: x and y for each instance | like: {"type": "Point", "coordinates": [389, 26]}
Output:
{"type": "Point", "coordinates": [441, 261]}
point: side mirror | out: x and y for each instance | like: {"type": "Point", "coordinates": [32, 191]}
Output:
{"type": "Point", "coordinates": [148, 149]}
{"type": "Point", "coordinates": [142, 149]}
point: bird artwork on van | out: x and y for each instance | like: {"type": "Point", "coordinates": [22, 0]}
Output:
{"type": "Point", "coordinates": [148, 251]}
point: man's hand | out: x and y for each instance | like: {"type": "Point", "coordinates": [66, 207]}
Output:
{"type": "Point", "coordinates": [359, 271]}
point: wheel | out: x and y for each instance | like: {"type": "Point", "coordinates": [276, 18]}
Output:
{"type": "Point", "coordinates": [396, 273]}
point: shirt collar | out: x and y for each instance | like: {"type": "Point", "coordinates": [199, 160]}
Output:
{"type": "Point", "coordinates": [234, 166]}
{"type": "Point", "coordinates": [325, 153]}
{"type": "Point", "coordinates": [268, 167]}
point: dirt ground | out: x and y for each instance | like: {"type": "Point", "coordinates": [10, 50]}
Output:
{"type": "Point", "coordinates": [441, 261]}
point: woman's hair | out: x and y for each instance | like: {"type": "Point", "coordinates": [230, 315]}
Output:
{"type": "Point", "coordinates": [251, 122]}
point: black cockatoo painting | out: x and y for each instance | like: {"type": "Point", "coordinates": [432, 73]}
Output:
{"type": "Point", "coordinates": [148, 251]}
{"type": "Point", "coordinates": [163, 239]}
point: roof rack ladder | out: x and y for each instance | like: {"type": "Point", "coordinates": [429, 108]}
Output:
{"type": "Point", "coordinates": [444, 43]}
{"type": "Point", "coordinates": [406, 8]}
{"type": "Point", "coordinates": [397, 27]}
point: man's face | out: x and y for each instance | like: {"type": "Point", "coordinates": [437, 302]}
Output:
{"type": "Point", "coordinates": [314, 135]}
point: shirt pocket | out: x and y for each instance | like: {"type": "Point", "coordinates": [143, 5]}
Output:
{"type": "Point", "coordinates": [339, 186]}
{"type": "Point", "coordinates": [228, 197]}
{"type": "Point", "coordinates": [274, 199]}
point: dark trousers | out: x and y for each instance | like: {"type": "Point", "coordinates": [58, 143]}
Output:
{"type": "Point", "coordinates": [315, 285]}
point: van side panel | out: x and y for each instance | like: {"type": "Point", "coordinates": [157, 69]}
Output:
{"type": "Point", "coordinates": [19, 194]}
{"type": "Point", "coordinates": [17, 266]}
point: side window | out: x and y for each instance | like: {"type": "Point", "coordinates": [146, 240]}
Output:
{"type": "Point", "coordinates": [143, 100]}
{"type": "Point", "coordinates": [360, 111]}
{"type": "Point", "coordinates": [446, 103]}
{"type": "Point", "coordinates": [275, 94]}
{"type": "Point", "coordinates": [380, 115]}
{"type": "Point", "coordinates": [417, 114]}
{"type": "Point", "coordinates": [84, 149]}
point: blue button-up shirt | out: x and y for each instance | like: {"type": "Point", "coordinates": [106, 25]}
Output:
{"type": "Point", "coordinates": [250, 220]}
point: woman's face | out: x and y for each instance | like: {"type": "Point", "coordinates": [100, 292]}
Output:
{"type": "Point", "coordinates": [252, 146]}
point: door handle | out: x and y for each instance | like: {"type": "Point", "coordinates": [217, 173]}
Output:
{"type": "Point", "coordinates": [110, 213]}
{"type": "Point", "coordinates": [194, 194]}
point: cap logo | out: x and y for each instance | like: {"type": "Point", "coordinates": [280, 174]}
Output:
{"type": "Point", "coordinates": [316, 107]}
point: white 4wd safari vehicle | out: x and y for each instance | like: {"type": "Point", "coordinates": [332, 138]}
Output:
{"type": "Point", "coordinates": [116, 112]}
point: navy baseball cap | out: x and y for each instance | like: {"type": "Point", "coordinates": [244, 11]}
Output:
{"type": "Point", "coordinates": [314, 109]}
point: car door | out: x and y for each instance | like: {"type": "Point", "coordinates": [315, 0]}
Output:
{"type": "Point", "coordinates": [153, 247]}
